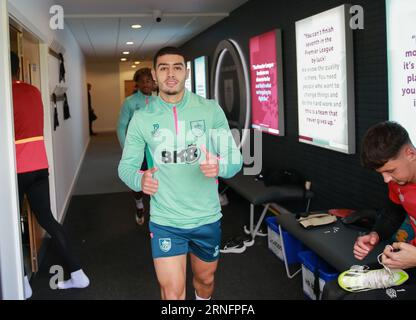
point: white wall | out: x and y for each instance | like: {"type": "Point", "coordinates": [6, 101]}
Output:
{"type": "Point", "coordinates": [126, 73]}
{"type": "Point", "coordinates": [11, 267]}
{"type": "Point", "coordinates": [71, 137]}
{"type": "Point", "coordinates": [105, 94]}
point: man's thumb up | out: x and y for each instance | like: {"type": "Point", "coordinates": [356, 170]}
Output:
{"type": "Point", "coordinates": [209, 166]}
{"type": "Point", "coordinates": [209, 157]}
{"type": "Point", "coordinates": [151, 171]}
{"type": "Point", "coordinates": [149, 184]}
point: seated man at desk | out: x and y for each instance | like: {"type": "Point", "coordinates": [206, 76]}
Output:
{"type": "Point", "coordinates": [387, 149]}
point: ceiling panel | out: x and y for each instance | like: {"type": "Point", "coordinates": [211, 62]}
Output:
{"type": "Point", "coordinates": [141, 6]}
{"type": "Point", "coordinates": [103, 27]}
{"type": "Point", "coordinates": [78, 30]}
{"type": "Point", "coordinates": [103, 34]}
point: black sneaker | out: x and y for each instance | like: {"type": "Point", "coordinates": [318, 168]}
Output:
{"type": "Point", "coordinates": [235, 245]}
{"type": "Point", "coordinates": [139, 216]}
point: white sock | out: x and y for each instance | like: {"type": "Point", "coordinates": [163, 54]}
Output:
{"type": "Point", "coordinates": [199, 298]}
{"type": "Point", "coordinates": [78, 280]}
{"type": "Point", "coordinates": [139, 204]}
{"type": "Point", "coordinates": [28, 289]}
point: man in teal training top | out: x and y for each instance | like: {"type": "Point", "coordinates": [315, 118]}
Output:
{"type": "Point", "coordinates": [140, 99]}
{"type": "Point", "coordinates": [191, 145]}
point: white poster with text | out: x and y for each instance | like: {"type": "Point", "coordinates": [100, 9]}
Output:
{"type": "Point", "coordinates": [401, 47]}
{"type": "Point", "coordinates": [325, 86]}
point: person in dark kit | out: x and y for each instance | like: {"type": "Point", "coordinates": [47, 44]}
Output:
{"type": "Point", "coordinates": [33, 176]}
{"type": "Point", "coordinates": [91, 114]}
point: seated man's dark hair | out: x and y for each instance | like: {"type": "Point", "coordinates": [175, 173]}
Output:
{"type": "Point", "coordinates": [382, 142]}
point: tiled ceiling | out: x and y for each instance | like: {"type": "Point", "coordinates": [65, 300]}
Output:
{"type": "Point", "coordinates": [103, 27]}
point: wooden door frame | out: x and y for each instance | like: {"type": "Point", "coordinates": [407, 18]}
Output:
{"type": "Point", "coordinates": [11, 256]}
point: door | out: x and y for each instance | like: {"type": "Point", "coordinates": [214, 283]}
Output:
{"type": "Point", "coordinates": [27, 47]}
{"type": "Point", "coordinates": [31, 60]}
{"type": "Point", "coordinates": [129, 88]}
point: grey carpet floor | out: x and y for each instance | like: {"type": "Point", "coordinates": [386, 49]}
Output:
{"type": "Point", "coordinates": [116, 255]}
{"type": "Point", "coordinates": [99, 170]}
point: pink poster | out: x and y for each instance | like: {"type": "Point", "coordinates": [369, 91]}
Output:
{"type": "Point", "coordinates": [264, 83]}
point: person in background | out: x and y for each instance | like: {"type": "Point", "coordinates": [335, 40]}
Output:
{"type": "Point", "coordinates": [140, 99]}
{"type": "Point", "coordinates": [33, 176]}
{"type": "Point", "coordinates": [91, 114]}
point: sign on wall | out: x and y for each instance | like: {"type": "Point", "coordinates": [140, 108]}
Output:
{"type": "Point", "coordinates": [401, 48]}
{"type": "Point", "coordinates": [325, 80]}
{"type": "Point", "coordinates": [267, 82]}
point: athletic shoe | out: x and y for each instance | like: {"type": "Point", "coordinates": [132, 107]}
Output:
{"type": "Point", "coordinates": [260, 233]}
{"type": "Point", "coordinates": [360, 278]}
{"type": "Point", "coordinates": [139, 216]}
{"type": "Point", "coordinates": [235, 245]}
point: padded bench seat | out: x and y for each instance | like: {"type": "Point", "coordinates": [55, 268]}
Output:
{"type": "Point", "coordinates": [257, 193]}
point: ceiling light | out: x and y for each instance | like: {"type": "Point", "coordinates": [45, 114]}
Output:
{"type": "Point", "coordinates": [133, 66]}
{"type": "Point", "coordinates": [136, 26]}
{"type": "Point", "coordinates": [136, 62]}
{"type": "Point", "coordinates": [129, 43]}
{"type": "Point", "coordinates": [126, 52]}
{"type": "Point", "coordinates": [123, 59]}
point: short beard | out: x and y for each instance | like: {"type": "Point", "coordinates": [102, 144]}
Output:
{"type": "Point", "coordinates": [171, 93]}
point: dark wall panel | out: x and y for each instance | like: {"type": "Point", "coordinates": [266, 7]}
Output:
{"type": "Point", "coordinates": [337, 179]}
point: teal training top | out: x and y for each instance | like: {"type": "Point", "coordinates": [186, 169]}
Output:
{"type": "Point", "coordinates": [130, 105]}
{"type": "Point", "coordinates": [174, 135]}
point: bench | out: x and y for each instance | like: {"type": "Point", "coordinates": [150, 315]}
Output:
{"type": "Point", "coordinates": [257, 193]}
{"type": "Point", "coordinates": [333, 242]}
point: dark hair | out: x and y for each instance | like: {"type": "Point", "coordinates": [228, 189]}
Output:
{"type": "Point", "coordinates": [381, 143]}
{"type": "Point", "coordinates": [168, 50]}
{"type": "Point", "coordinates": [14, 61]}
{"type": "Point", "coordinates": [142, 73]}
